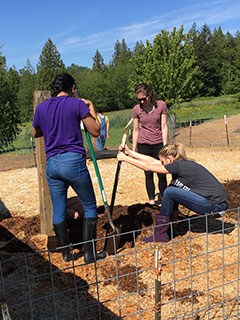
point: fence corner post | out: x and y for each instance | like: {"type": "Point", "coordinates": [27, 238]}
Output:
{"type": "Point", "coordinates": [45, 204]}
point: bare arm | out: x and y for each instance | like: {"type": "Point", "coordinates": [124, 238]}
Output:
{"type": "Point", "coordinates": [37, 132]}
{"type": "Point", "coordinates": [107, 127]}
{"type": "Point", "coordinates": [128, 124]}
{"type": "Point", "coordinates": [154, 166]}
{"type": "Point", "coordinates": [135, 133]}
{"type": "Point", "coordinates": [164, 125]}
{"type": "Point", "coordinates": [90, 121]}
{"type": "Point", "coordinates": [140, 156]}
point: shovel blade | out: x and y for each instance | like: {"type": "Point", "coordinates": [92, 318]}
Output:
{"type": "Point", "coordinates": [112, 241]}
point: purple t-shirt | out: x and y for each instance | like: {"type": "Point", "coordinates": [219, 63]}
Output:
{"type": "Point", "coordinates": [150, 124]}
{"type": "Point", "coordinates": [59, 119]}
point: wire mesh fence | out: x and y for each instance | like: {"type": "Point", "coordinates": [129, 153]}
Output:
{"type": "Point", "coordinates": [198, 277]}
{"type": "Point", "coordinates": [206, 132]}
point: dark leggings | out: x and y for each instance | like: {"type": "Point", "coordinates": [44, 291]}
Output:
{"type": "Point", "coordinates": [153, 151]}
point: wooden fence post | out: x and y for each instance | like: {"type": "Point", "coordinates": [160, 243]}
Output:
{"type": "Point", "coordinates": [190, 134]}
{"type": "Point", "coordinates": [45, 204]}
{"type": "Point", "coordinates": [158, 283]}
{"type": "Point", "coordinates": [226, 127]}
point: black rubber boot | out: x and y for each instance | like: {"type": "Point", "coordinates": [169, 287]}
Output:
{"type": "Point", "coordinates": [63, 239]}
{"type": "Point", "coordinates": [89, 233]}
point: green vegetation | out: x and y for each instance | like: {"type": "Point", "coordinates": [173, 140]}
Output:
{"type": "Point", "coordinates": [210, 108]}
{"type": "Point", "coordinates": [179, 67]}
{"type": "Point", "coordinates": [197, 109]}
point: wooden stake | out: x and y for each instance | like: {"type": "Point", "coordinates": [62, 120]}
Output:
{"type": "Point", "coordinates": [226, 127]}
{"type": "Point", "coordinates": [158, 268]}
{"type": "Point", "coordinates": [34, 153]}
{"type": "Point", "coordinates": [190, 137]}
{"type": "Point", "coordinates": [5, 311]}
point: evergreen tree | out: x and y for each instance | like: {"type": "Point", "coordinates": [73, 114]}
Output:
{"type": "Point", "coordinates": [98, 62]}
{"type": "Point", "coordinates": [119, 74]}
{"type": "Point", "coordinates": [79, 74]}
{"type": "Point", "coordinates": [206, 61]}
{"type": "Point", "coordinates": [231, 65]}
{"type": "Point", "coordinates": [49, 65]}
{"type": "Point", "coordinates": [13, 79]}
{"type": "Point", "coordinates": [75, 70]}
{"type": "Point", "coordinates": [26, 92]}
{"type": "Point", "coordinates": [9, 113]}
{"type": "Point", "coordinates": [118, 86]}
{"type": "Point", "coordinates": [95, 88]}
{"type": "Point", "coordinates": [138, 49]}
{"type": "Point", "coordinates": [217, 45]}
{"type": "Point", "coordinates": [121, 54]}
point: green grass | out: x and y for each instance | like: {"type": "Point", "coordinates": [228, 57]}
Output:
{"type": "Point", "coordinates": [199, 108]}
{"type": "Point", "coordinates": [213, 107]}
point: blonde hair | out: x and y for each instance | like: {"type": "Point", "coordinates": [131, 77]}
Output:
{"type": "Point", "coordinates": [177, 151]}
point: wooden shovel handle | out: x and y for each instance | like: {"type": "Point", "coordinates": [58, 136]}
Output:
{"type": "Point", "coordinates": [124, 139]}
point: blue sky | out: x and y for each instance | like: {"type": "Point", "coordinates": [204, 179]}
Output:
{"type": "Point", "coordinates": [79, 28]}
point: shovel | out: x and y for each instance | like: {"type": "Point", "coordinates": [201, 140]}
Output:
{"type": "Point", "coordinates": [109, 245]}
{"type": "Point", "coordinates": [124, 139]}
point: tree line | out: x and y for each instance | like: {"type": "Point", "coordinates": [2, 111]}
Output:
{"type": "Point", "coordinates": [177, 65]}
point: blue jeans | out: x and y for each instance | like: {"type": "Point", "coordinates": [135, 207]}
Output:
{"type": "Point", "coordinates": [69, 169]}
{"type": "Point", "coordinates": [190, 200]}
{"type": "Point", "coordinates": [100, 142]}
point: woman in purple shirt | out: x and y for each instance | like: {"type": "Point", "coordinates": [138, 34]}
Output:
{"type": "Point", "coordinates": [150, 132]}
{"type": "Point", "coordinates": [58, 120]}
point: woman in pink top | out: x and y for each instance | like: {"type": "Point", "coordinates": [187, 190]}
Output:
{"type": "Point", "coordinates": [150, 132]}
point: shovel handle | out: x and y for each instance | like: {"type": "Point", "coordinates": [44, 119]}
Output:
{"type": "Point", "coordinates": [115, 186]}
{"type": "Point", "coordinates": [124, 139]}
{"type": "Point", "coordinates": [96, 167]}
{"type": "Point", "coordinates": [107, 211]}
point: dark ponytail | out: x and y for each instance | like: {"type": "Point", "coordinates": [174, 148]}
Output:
{"type": "Point", "coordinates": [62, 82]}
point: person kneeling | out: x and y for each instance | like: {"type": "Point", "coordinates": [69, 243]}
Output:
{"type": "Point", "coordinates": [192, 185]}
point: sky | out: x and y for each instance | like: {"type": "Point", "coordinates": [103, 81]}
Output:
{"type": "Point", "coordinates": [79, 28]}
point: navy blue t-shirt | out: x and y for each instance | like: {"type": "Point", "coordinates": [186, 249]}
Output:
{"type": "Point", "coordinates": [189, 175]}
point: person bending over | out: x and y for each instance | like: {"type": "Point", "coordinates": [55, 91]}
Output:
{"type": "Point", "coordinates": [192, 185]}
{"type": "Point", "coordinates": [75, 209]}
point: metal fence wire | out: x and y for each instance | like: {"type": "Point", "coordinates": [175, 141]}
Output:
{"type": "Point", "coordinates": [198, 277]}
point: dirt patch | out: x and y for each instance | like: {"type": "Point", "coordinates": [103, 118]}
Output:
{"type": "Point", "coordinates": [17, 231]}
{"type": "Point", "coordinates": [20, 233]}
{"type": "Point", "coordinates": [12, 161]}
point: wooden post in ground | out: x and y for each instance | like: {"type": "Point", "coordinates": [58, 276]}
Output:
{"type": "Point", "coordinates": [158, 283]}
{"type": "Point", "coordinates": [190, 134]}
{"type": "Point", "coordinates": [45, 204]}
{"type": "Point", "coordinates": [226, 127]}
{"type": "Point", "coordinates": [5, 311]}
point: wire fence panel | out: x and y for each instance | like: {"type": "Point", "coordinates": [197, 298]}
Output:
{"type": "Point", "coordinates": [206, 132]}
{"type": "Point", "coordinates": [198, 272]}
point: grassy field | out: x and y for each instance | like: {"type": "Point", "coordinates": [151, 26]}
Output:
{"type": "Point", "coordinates": [200, 108]}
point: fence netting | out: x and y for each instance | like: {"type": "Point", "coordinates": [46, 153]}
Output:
{"type": "Point", "coordinates": [198, 277]}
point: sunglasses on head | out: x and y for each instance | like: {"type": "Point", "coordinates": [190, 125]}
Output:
{"type": "Point", "coordinates": [142, 99]}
